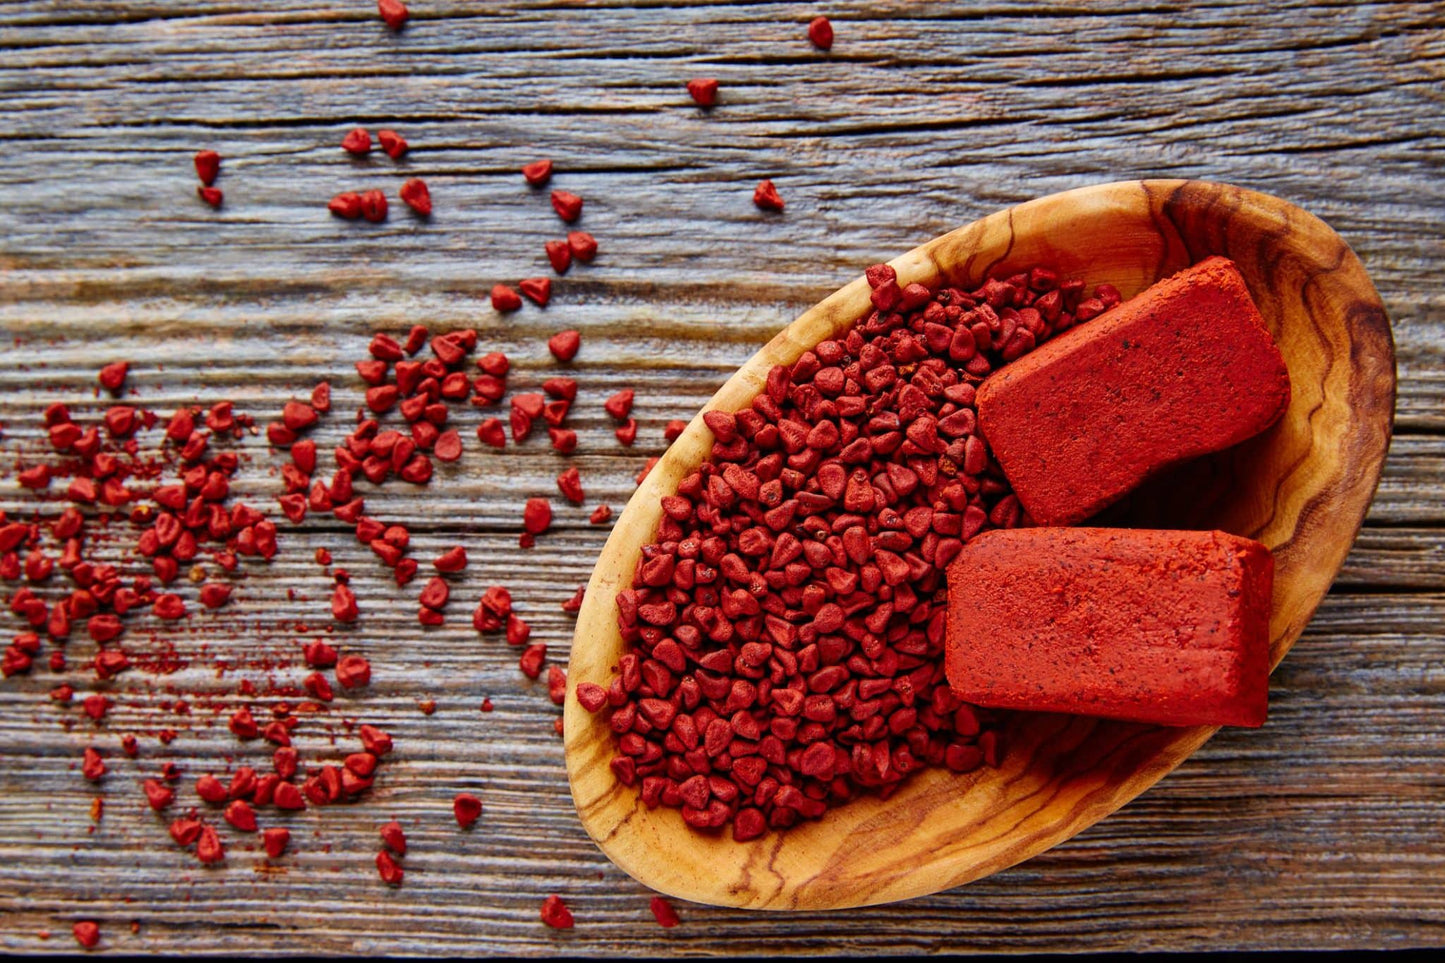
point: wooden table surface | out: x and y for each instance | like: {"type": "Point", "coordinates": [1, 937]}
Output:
{"type": "Point", "coordinates": [1324, 829]}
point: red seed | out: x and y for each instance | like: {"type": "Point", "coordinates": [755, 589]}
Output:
{"type": "Point", "coordinates": [241, 816]}
{"type": "Point", "coordinates": [448, 446]}
{"type": "Point", "coordinates": [211, 195]}
{"type": "Point", "coordinates": [518, 631]}
{"type": "Point", "coordinates": [703, 90]}
{"type": "Point", "coordinates": [208, 847]}
{"type": "Point", "coordinates": [663, 912]}
{"type": "Point", "coordinates": [377, 742]}
{"type": "Point", "coordinates": [392, 143]}
{"type": "Point", "coordinates": [319, 655]}
{"type": "Point", "coordinates": [538, 173]}
{"type": "Point", "coordinates": [491, 432]}
{"type": "Point", "coordinates": [215, 594]}
{"type": "Point", "coordinates": [169, 607]}
{"type": "Point", "coordinates": [559, 253]}
{"type": "Point", "coordinates": [373, 206]}
{"type": "Point", "coordinates": [505, 299]}
{"type": "Point", "coordinates": [766, 196]}
{"type": "Point", "coordinates": [820, 32]}
{"type": "Point", "coordinates": [435, 593]}
{"type": "Point", "coordinates": [276, 840]}
{"type": "Point", "coordinates": [536, 516]}
{"type": "Point", "coordinates": [556, 914]}
{"type": "Point", "coordinates": [626, 432]}
{"type": "Point", "coordinates": [582, 245]}
{"type": "Point", "coordinates": [357, 142]}
{"type": "Point", "coordinates": [353, 671]}
{"type": "Point", "coordinates": [494, 363]}
{"type": "Point", "coordinates": [567, 205]}
{"type": "Point", "coordinates": [343, 604]}
{"type": "Point", "coordinates": [112, 376]}
{"type": "Point", "coordinates": [394, 838]}
{"type": "Point", "coordinates": [416, 196]}
{"type": "Point", "coordinates": [185, 831]}
{"type": "Point", "coordinates": [564, 345]}
{"type": "Point", "coordinates": [388, 869]}
{"type": "Point", "coordinates": [537, 290]}
{"type": "Point", "coordinates": [208, 165]}
{"type": "Point", "coordinates": [92, 765]}
{"type": "Point", "coordinates": [531, 661]}
{"type": "Point", "coordinates": [601, 515]}
{"type": "Point", "coordinates": [157, 795]}
{"type": "Point", "coordinates": [467, 808]}
{"type": "Point", "coordinates": [394, 12]}
{"type": "Point", "coordinates": [346, 204]}
{"type": "Point", "coordinates": [452, 560]}
{"type": "Point", "coordinates": [86, 933]}
{"type": "Point", "coordinates": [288, 797]}
{"type": "Point", "coordinates": [674, 429]}
{"type": "Point", "coordinates": [619, 405]}
{"type": "Point", "coordinates": [569, 483]}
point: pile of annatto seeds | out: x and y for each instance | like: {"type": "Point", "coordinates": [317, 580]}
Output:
{"type": "Point", "coordinates": [789, 619]}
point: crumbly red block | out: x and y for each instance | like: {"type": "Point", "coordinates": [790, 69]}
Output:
{"type": "Point", "coordinates": [1151, 626]}
{"type": "Point", "coordinates": [1182, 370]}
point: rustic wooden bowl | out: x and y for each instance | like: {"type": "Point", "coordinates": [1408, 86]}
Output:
{"type": "Point", "coordinates": [1302, 488]}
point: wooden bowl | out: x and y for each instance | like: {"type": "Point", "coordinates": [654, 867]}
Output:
{"type": "Point", "coordinates": [1302, 488]}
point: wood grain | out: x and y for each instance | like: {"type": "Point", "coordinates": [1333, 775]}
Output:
{"type": "Point", "coordinates": [1302, 488]}
{"type": "Point", "coordinates": [1324, 829]}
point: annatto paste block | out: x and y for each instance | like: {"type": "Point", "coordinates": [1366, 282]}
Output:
{"type": "Point", "coordinates": [1151, 626]}
{"type": "Point", "coordinates": [1182, 370]}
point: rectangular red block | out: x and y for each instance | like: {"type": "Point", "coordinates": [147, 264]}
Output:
{"type": "Point", "coordinates": [1182, 370]}
{"type": "Point", "coordinates": [1150, 626]}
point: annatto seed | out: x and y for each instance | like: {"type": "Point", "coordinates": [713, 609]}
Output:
{"type": "Point", "coordinates": [820, 32]}
{"type": "Point", "coordinates": [560, 256]}
{"type": "Point", "coordinates": [388, 868]}
{"type": "Point", "coordinates": [208, 847]}
{"type": "Point", "coordinates": [215, 594]}
{"type": "Point", "coordinates": [532, 659]}
{"type": "Point", "coordinates": [556, 914]}
{"type": "Point", "coordinates": [394, 838]}
{"type": "Point", "coordinates": [373, 206]}
{"type": "Point", "coordinates": [343, 604]}
{"type": "Point", "coordinates": [567, 205]}
{"type": "Point", "coordinates": [538, 173]}
{"type": "Point", "coordinates": [240, 815]}
{"type": "Point", "coordinates": [703, 90]}
{"type": "Point", "coordinates": [112, 376]}
{"type": "Point", "coordinates": [357, 142]}
{"type": "Point", "coordinates": [211, 195]}
{"type": "Point", "coordinates": [453, 559]}
{"type": "Point", "coordinates": [537, 290]}
{"type": "Point", "coordinates": [674, 429]}
{"type": "Point", "coordinates": [619, 406]}
{"type": "Point", "coordinates": [86, 933]}
{"type": "Point", "coordinates": [275, 840]}
{"type": "Point", "coordinates": [564, 345]}
{"type": "Point", "coordinates": [569, 483]}
{"type": "Point", "coordinates": [663, 912]}
{"type": "Point", "coordinates": [375, 741]}
{"type": "Point", "coordinates": [392, 143]}
{"type": "Point", "coordinates": [393, 12]}
{"type": "Point", "coordinates": [505, 299]}
{"type": "Point", "coordinates": [346, 204]}
{"type": "Point", "coordinates": [467, 808]}
{"type": "Point", "coordinates": [435, 593]}
{"type": "Point", "coordinates": [208, 165]}
{"type": "Point", "coordinates": [536, 516]}
{"type": "Point", "coordinates": [158, 796]}
{"type": "Point", "coordinates": [582, 245]}
{"type": "Point", "coordinates": [492, 432]}
{"type": "Point", "coordinates": [766, 196]}
{"type": "Point", "coordinates": [288, 797]}
{"type": "Point", "coordinates": [448, 446]}
{"type": "Point", "coordinates": [416, 196]}
{"type": "Point", "coordinates": [353, 671]}
{"type": "Point", "coordinates": [92, 766]}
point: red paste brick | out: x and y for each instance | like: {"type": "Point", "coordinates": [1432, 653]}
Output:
{"type": "Point", "coordinates": [1182, 370]}
{"type": "Point", "coordinates": [1151, 626]}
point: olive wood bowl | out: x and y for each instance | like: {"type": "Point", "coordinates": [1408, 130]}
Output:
{"type": "Point", "coordinates": [1302, 488]}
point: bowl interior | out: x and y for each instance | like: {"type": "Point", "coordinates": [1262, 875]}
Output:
{"type": "Point", "coordinates": [1302, 488]}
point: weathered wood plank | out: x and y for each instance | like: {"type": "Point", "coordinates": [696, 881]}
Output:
{"type": "Point", "coordinates": [1322, 829]}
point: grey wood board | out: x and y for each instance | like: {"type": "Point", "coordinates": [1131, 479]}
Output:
{"type": "Point", "coordinates": [1324, 829]}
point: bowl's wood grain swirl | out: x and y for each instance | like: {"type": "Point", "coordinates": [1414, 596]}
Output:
{"type": "Point", "coordinates": [1302, 488]}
